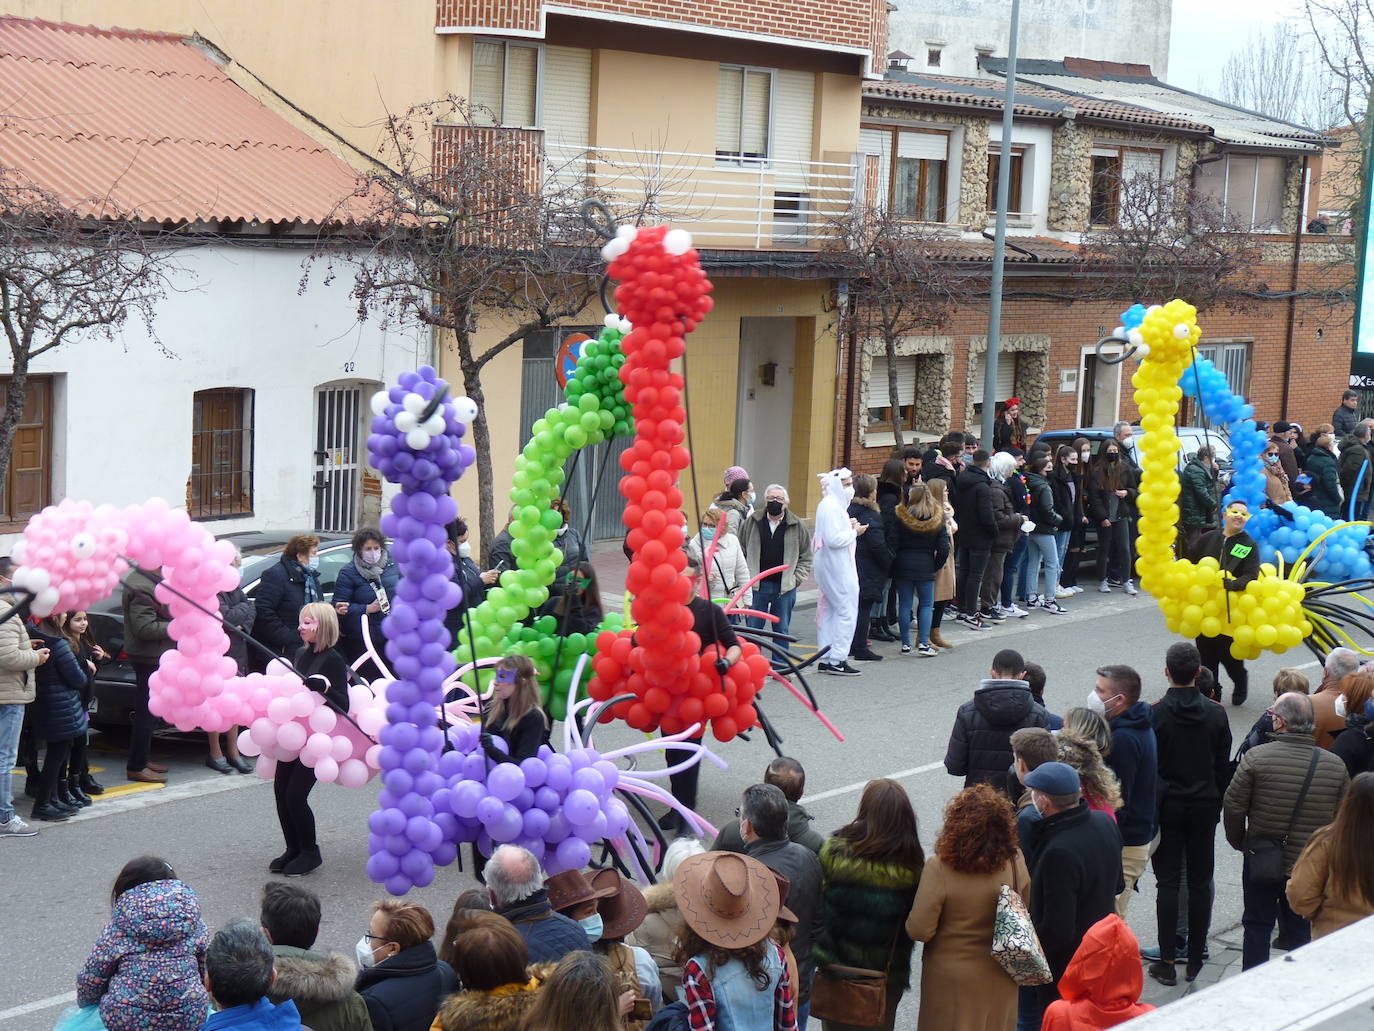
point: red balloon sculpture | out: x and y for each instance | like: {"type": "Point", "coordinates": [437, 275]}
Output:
{"type": "Point", "coordinates": [665, 295]}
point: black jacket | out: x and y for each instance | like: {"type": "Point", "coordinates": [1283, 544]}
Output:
{"type": "Point", "coordinates": [1134, 759]}
{"type": "Point", "coordinates": [1042, 510]}
{"type": "Point", "coordinates": [469, 578]}
{"type": "Point", "coordinates": [1068, 499]}
{"type": "Point", "coordinates": [1074, 883]}
{"type": "Point", "coordinates": [1325, 495]}
{"type": "Point", "coordinates": [1193, 739]}
{"type": "Point", "coordinates": [980, 742]}
{"type": "Point", "coordinates": [1005, 515]}
{"type": "Point", "coordinates": [920, 547]}
{"type": "Point", "coordinates": [1103, 504]}
{"type": "Point", "coordinates": [403, 992]}
{"type": "Point", "coordinates": [872, 557]}
{"type": "Point", "coordinates": [973, 509]}
{"type": "Point", "coordinates": [329, 665]}
{"type": "Point", "coordinates": [803, 872]}
{"type": "Point", "coordinates": [1241, 560]}
{"type": "Point", "coordinates": [279, 599]}
{"type": "Point", "coordinates": [933, 470]}
{"type": "Point", "coordinates": [1354, 745]}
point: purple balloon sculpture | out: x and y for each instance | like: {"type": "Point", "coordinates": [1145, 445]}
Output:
{"type": "Point", "coordinates": [420, 449]}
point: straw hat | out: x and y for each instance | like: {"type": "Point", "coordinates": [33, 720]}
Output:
{"type": "Point", "coordinates": [571, 888]}
{"type": "Point", "coordinates": [622, 911]}
{"type": "Point", "coordinates": [730, 900]}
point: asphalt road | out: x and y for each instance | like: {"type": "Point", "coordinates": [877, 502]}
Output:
{"type": "Point", "coordinates": [219, 832]}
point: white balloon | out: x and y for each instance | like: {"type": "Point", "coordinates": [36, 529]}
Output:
{"type": "Point", "coordinates": [465, 408]}
{"type": "Point", "coordinates": [417, 440]}
{"type": "Point", "coordinates": [613, 250]}
{"type": "Point", "coordinates": [434, 425]}
{"type": "Point", "coordinates": [677, 241]}
{"type": "Point", "coordinates": [45, 601]}
{"type": "Point", "coordinates": [626, 325]}
{"type": "Point", "coordinates": [1181, 331]}
{"type": "Point", "coordinates": [414, 403]}
{"type": "Point", "coordinates": [627, 233]}
{"type": "Point", "coordinates": [379, 402]}
{"type": "Point", "coordinates": [83, 545]}
{"type": "Point", "coordinates": [19, 550]}
{"type": "Point", "coordinates": [612, 320]}
{"type": "Point", "coordinates": [406, 421]}
{"type": "Point", "coordinates": [1141, 350]}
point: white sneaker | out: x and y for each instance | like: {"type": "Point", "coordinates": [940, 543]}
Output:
{"type": "Point", "coordinates": [1105, 587]}
{"type": "Point", "coordinates": [1130, 588]}
{"type": "Point", "coordinates": [1017, 611]}
{"type": "Point", "coordinates": [1065, 592]}
{"type": "Point", "coordinates": [16, 828]}
{"type": "Point", "coordinates": [1076, 589]}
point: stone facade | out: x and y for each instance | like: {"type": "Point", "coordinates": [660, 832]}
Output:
{"type": "Point", "coordinates": [1071, 167]}
{"type": "Point", "coordinates": [934, 373]}
{"type": "Point", "coordinates": [1031, 352]}
{"type": "Point", "coordinates": [972, 188]}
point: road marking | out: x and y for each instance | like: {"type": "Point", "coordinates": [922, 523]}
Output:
{"type": "Point", "coordinates": [131, 788]}
{"type": "Point", "coordinates": [861, 784]}
{"type": "Point", "coordinates": [65, 999]}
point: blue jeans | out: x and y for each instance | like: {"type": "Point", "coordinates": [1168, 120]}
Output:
{"type": "Point", "coordinates": [924, 591]}
{"type": "Point", "coordinates": [770, 598]}
{"type": "Point", "coordinates": [1061, 543]}
{"type": "Point", "coordinates": [1015, 563]}
{"type": "Point", "coordinates": [1043, 552]}
{"type": "Point", "coordinates": [11, 720]}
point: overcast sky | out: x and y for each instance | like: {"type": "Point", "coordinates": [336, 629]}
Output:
{"type": "Point", "coordinates": [1205, 32]}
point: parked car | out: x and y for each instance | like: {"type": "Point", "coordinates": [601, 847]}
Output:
{"type": "Point", "coordinates": [112, 699]}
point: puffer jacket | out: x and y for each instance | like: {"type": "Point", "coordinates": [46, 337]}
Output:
{"type": "Point", "coordinates": [404, 991]}
{"type": "Point", "coordinates": [1265, 789]}
{"type": "Point", "coordinates": [973, 509]}
{"type": "Point", "coordinates": [18, 660]}
{"type": "Point", "coordinates": [321, 987]}
{"type": "Point", "coordinates": [919, 546]}
{"type": "Point", "coordinates": [1354, 459]}
{"type": "Point", "coordinates": [1005, 515]}
{"type": "Point", "coordinates": [864, 906]}
{"type": "Point", "coordinates": [145, 620]}
{"type": "Point", "coordinates": [728, 570]}
{"type": "Point", "coordinates": [1325, 494]}
{"type": "Point", "coordinates": [501, 1009]}
{"type": "Point", "coordinates": [1354, 745]}
{"type": "Point", "coordinates": [872, 554]}
{"type": "Point", "coordinates": [1102, 983]}
{"type": "Point", "coordinates": [657, 935]}
{"type": "Point", "coordinates": [58, 712]}
{"type": "Point", "coordinates": [980, 742]}
{"type": "Point", "coordinates": [360, 592]}
{"type": "Point", "coordinates": [145, 969]}
{"type": "Point", "coordinates": [1042, 510]}
{"type": "Point", "coordinates": [1197, 496]}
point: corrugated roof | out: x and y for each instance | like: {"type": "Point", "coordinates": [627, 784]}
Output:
{"type": "Point", "coordinates": [152, 122]}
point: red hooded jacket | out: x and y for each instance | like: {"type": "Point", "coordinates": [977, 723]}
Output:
{"type": "Point", "coordinates": [1102, 983]}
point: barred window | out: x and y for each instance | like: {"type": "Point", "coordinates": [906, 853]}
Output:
{"type": "Point", "coordinates": [221, 481]}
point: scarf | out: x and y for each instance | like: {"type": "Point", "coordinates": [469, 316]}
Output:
{"type": "Point", "coordinates": [311, 579]}
{"type": "Point", "coordinates": [369, 572]}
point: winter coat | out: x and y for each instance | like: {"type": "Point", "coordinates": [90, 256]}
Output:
{"type": "Point", "coordinates": [549, 935]}
{"type": "Point", "coordinates": [1197, 496]}
{"type": "Point", "coordinates": [1007, 435]}
{"type": "Point", "coordinates": [796, 545]}
{"type": "Point", "coordinates": [1354, 460]}
{"type": "Point", "coordinates": [1005, 515]}
{"type": "Point", "coordinates": [1345, 421]}
{"type": "Point", "coordinates": [1265, 789]}
{"type": "Point", "coordinates": [1134, 759]}
{"type": "Point", "coordinates": [1325, 495]}
{"type": "Point", "coordinates": [404, 991]}
{"type": "Point", "coordinates": [1354, 745]}
{"type": "Point", "coordinates": [237, 610]}
{"type": "Point", "coordinates": [1288, 459]}
{"type": "Point", "coordinates": [865, 905]}
{"type": "Point", "coordinates": [944, 576]}
{"type": "Point", "coordinates": [18, 660]}
{"type": "Point", "coordinates": [980, 742]}
{"type": "Point", "coordinates": [736, 512]}
{"type": "Point", "coordinates": [920, 547]}
{"type": "Point", "coordinates": [1042, 511]}
{"type": "Point", "coordinates": [803, 872]}
{"type": "Point", "coordinates": [1068, 500]}
{"type": "Point", "coordinates": [324, 672]}
{"type": "Point", "coordinates": [1074, 883]}
{"type": "Point", "coordinates": [146, 620]}
{"type": "Point", "coordinates": [1276, 486]}
{"type": "Point", "coordinates": [502, 1009]}
{"type": "Point", "coordinates": [1312, 894]}
{"type": "Point", "coordinates": [280, 597]}
{"type": "Point", "coordinates": [889, 497]}
{"type": "Point", "coordinates": [469, 578]}
{"type": "Point", "coordinates": [973, 509]}
{"type": "Point", "coordinates": [1193, 743]}
{"type": "Point", "coordinates": [321, 987]}
{"type": "Point", "coordinates": [962, 987]}
{"type": "Point", "coordinates": [934, 469]}
{"type": "Point", "coordinates": [1103, 504]}
{"type": "Point", "coordinates": [728, 570]}
{"type": "Point", "coordinates": [58, 713]}
{"type": "Point", "coordinates": [145, 969]}
{"type": "Point", "coordinates": [799, 829]}
{"type": "Point", "coordinates": [500, 555]}
{"type": "Point", "coordinates": [260, 1016]}
{"type": "Point", "coordinates": [354, 588]}
{"type": "Point", "coordinates": [1102, 983]}
{"type": "Point", "coordinates": [872, 554]}
{"type": "Point", "coordinates": [657, 935]}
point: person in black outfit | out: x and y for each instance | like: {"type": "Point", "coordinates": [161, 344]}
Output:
{"type": "Point", "coordinates": [59, 719]}
{"type": "Point", "coordinates": [578, 608]}
{"type": "Point", "coordinates": [325, 672]}
{"type": "Point", "coordinates": [1194, 750]}
{"type": "Point", "coordinates": [514, 713]}
{"type": "Point", "coordinates": [874, 561]}
{"type": "Point", "coordinates": [80, 784]}
{"type": "Point", "coordinates": [466, 575]}
{"type": "Point", "coordinates": [284, 589]}
{"type": "Point", "coordinates": [711, 627]}
{"type": "Point", "coordinates": [977, 532]}
{"type": "Point", "coordinates": [1238, 555]}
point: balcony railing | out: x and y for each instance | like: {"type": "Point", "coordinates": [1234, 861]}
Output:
{"type": "Point", "coordinates": [748, 203]}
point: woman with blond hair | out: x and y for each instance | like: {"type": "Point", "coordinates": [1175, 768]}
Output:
{"type": "Point", "coordinates": [728, 571]}
{"type": "Point", "coordinates": [402, 980]}
{"type": "Point", "coordinates": [1101, 790]}
{"type": "Point", "coordinates": [944, 576]}
{"type": "Point", "coordinates": [920, 547]}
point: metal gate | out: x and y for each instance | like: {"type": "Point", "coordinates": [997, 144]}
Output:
{"type": "Point", "coordinates": [539, 392]}
{"type": "Point", "coordinates": [338, 464]}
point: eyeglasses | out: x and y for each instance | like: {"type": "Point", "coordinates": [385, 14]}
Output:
{"type": "Point", "coordinates": [376, 938]}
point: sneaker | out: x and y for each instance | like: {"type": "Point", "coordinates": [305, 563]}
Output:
{"type": "Point", "coordinates": [1076, 589]}
{"type": "Point", "coordinates": [1115, 583]}
{"type": "Point", "coordinates": [926, 651]}
{"type": "Point", "coordinates": [16, 828]}
{"type": "Point", "coordinates": [1105, 587]}
{"type": "Point", "coordinates": [1034, 601]}
{"type": "Point", "coordinates": [994, 614]}
{"type": "Point", "coordinates": [972, 622]}
{"type": "Point", "coordinates": [844, 669]}
{"type": "Point", "coordinates": [1065, 592]}
{"type": "Point", "coordinates": [1164, 973]}
{"type": "Point", "coordinates": [827, 667]}
{"type": "Point", "coordinates": [1130, 588]}
{"type": "Point", "coordinates": [1054, 607]}
{"type": "Point", "coordinates": [1018, 612]}
{"type": "Point", "coordinates": [906, 649]}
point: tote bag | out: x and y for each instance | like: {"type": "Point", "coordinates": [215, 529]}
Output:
{"type": "Point", "coordinates": [1015, 945]}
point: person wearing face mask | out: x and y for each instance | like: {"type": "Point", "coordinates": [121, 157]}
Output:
{"type": "Point", "coordinates": [285, 587]}
{"type": "Point", "coordinates": [737, 502]}
{"type": "Point", "coordinates": [403, 981]}
{"type": "Point", "coordinates": [776, 536]}
{"type": "Point", "coordinates": [1276, 486]}
{"type": "Point", "coordinates": [1068, 502]}
{"type": "Point", "coordinates": [473, 581]}
{"type": "Point", "coordinates": [364, 590]}
{"type": "Point", "coordinates": [1110, 496]}
{"type": "Point", "coordinates": [726, 571]}
{"type": "Point", "coordinates": [1134, 758]}
{"type": "Point", "coordinates": [1197, 499]}
{"type": "Point", "coordinates": [325, 672]}
{"type": "Point", "coordinates": [1354, 745]}
{"type": "Point", "coordinates": [837, 576]}
{"type": "Point", "coordinates": [569, 542]}
{"type": "Point", "coordinates": [1238, 555]}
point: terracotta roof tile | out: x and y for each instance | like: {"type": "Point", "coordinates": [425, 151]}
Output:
{"type": "Point", "coordinates": [151, 121]}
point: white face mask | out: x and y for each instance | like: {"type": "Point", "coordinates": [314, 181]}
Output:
{"type": "Point", "coordinates": [1096, 704]}
{"type": "Point", "coordinates": [465, 550]}
{"type": "Point", "coordinates": [313, 562]}
{"type": "Point", "coordinates": [849, 493]}
{"type": "Point", "coordinates": [372, 555]}
{"type": "Point", "coordinates": [562, 530]}
{"type": "Point", "coordinates": [1340, 707]}
{"type": "Point", "coordinates": [363, 950]}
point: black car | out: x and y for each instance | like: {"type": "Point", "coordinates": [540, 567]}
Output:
{"type": "Point", "coordinates": [114, 682]}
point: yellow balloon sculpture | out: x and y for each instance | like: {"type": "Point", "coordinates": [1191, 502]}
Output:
{"type": "Point", "coordinates": [1268, 614]}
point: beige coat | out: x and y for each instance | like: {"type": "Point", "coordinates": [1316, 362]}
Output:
{"type": "Point", "coordinates": [944, 576]}
{"type": "Point", "coordinates": [1311, 894]}
{"type": "Point", "coordinates": [657, 935]}
{"type": "Point", "coordinates": [17, 662]}
{"type": "Point", "coordinates": [962, 987]}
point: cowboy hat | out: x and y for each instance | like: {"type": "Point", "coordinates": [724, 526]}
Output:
{"type": "Point", "coordinates": [784, 886]}
{"type": "Point", "coordinates": [622, 911]}
{"type": "Point", "coordinates": [730, 900]}
{"type": "Point", "coordinates": [571, 888]}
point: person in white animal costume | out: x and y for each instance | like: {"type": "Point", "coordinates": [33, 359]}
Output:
{"type": "Point", "coordinates": [836, 575]}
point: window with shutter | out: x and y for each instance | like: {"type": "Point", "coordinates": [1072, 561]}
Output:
{"type": "Point", "coordinates": [880, 410]}
{"type": "Point", "coordinates": [744, 110]}
{"type": "Point", "coordinates": [567, 89]}
{"type": "Point", "coordinates": [1251, 188]}
{"type": "Point", "coordinates": [221, 482]}
{"type": "Point", "coordinates": [505, 83]}
{"type": "Point", "coordinates": [1006, 378]}
{"type": "Point", "coordinates": [26, 487]}
{"type": "Point", "coordinates": [1135, 162]}
{"type": "Point", "coordinates": [913, 172]}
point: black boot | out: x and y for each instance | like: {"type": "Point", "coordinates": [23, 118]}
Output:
{"type": "Point", "coordinates": [31, 780]}
{"type": "Point", "coordinates": [63, 797]}
{"type": "Point", "coordinates": [279, 864]}
{"type": "Point", "coordinates": [308, 860]}
{"type": "Point", "coordinates": [77, 795]}
{"type": "Point", "coordinates": [50, 813]}
{"type": "Point", "coordinates": [90, 785]}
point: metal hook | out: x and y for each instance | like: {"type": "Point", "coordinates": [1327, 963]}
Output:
{"type": "Point", "coordinates": [1127, 352]}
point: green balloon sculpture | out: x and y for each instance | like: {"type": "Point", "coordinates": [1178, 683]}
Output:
{"type": "Point", "coordinates": [596, 411]}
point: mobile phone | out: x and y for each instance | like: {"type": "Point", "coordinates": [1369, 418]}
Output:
{"type": "Point", "coordinates": [640, 1010]}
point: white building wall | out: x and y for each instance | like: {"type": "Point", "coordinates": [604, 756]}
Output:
{"type": "Point", "coordinates": [1132, 31]}
{"type": "Point", "coordinates": [123, 411]}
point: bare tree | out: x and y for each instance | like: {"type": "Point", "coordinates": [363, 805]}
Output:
{"type": "Point", "coordinates": [1279, 74]}
{"type": "Point", "coordinates": [1168, 241]}
{"type": "Point", "coordinates": [69, 270]}
{"type": "Point", "coordinates": [466, 227]}
{"type": "Point", "coordinates": [903, 281]}
{"type": "Point", "coordinates": [1341, 33]}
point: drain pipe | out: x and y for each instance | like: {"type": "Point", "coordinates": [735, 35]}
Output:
{"type": "Point", "coordinates": [1293, 287]}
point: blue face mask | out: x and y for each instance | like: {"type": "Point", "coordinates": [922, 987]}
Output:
{"type": "Point", "coordinates": [313, 562]}
{"type": "Point", "coordinates": [708, 533]}
{"type": "Point", "coordinates": [593, 926]}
